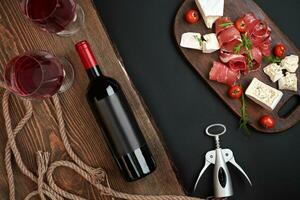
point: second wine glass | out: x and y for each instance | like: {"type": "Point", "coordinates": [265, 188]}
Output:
{"type": "Point", "coordinates": [63, 17]}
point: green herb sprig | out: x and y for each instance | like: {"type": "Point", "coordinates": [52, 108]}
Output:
{"type": "Point", "coordinates": [273, 59]}
{"type": "Point", "coordinates": [198, 39]}
{"type": "Point", "coordinates": [247, 44]}
{"type": "Point", "coordinates": [226, 24]}
{"type": "Point", "coordinates": [244, 115]}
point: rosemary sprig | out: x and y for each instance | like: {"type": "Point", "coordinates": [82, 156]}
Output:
{"type": "Point", "coordinates": [244, 115]}
{"type": "Point", "coordinates": [198, 39]}
{"type": "Point", "coordinates": [247, 44]}
{"type": "Point", "coordinates": [238, 48]}
{"type": "Point", "coordinates": [273, 59]}
{"type": "Point", "coordinates": [249, 59]}
{"type": "Point", "coordinates": [226, 24]}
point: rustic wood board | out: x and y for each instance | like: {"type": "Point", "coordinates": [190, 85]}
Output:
{"type": "Point", "coordinates": [202, 63]}
{"type": "Point", "coordinates": [18, 35]}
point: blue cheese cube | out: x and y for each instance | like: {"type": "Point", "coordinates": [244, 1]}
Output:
{"type": "Point", "coordinates": [289, 82]}
{"type": "Point", "coordinates": [263, 94]}
{"type": "Point", "coordinates": [210, 43]}
{"type": "Point", "coordinates": [274, 71]}
{"type": "Point", "coordinates": [290, 63]}
{"type": "Point", "coordinates": [191, 40]}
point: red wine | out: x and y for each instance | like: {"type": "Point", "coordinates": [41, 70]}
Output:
{"type": "Point", "coordinates": [50, 15]}
{"type": "Point", "coordinates": [36, 75]}
{"type": "Point", "coordinates": [114, 115]}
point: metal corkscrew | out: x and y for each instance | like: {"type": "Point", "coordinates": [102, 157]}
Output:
{"type": "Point", "coordinates": [219, 157]}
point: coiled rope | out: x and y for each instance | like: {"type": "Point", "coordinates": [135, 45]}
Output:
{"type": "Point", "coordinates": [95, 176]}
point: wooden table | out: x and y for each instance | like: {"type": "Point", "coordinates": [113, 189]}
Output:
{"type": "Point", "coordinates": [17, 35]}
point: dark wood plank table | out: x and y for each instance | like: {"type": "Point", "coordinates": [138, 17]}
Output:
{"type": "Point", "coordinates": [17, 35]}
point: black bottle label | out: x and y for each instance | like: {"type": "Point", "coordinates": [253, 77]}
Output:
{"type": "Point", "coordinates": [120, 127]}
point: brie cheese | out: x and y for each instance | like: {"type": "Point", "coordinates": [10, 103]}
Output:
{"type": "Point", "coordinates": [210, 43]}
{"type": "Point", "coordinates": [290, 63]}
{"type": "Point", "coordinates": [210, 10]}
{"type": "Point", "coordinates": [191, 40]}
{"type": "Point", "coordinates": [289, 82]}
{"type": "Point", "coordinates": [274, 71]}
{"type": "Point", "coordinates": [263, 94]}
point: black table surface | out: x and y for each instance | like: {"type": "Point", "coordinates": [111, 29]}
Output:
{"type": "Point", "coordinates": [183, 105]}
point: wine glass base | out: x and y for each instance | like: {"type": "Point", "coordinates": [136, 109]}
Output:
{"type": "Point", "coordinates": [68, 75]}
{"type": "Point", "coordinates": [74, 26]}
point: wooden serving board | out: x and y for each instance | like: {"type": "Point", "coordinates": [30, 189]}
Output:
{"type": "Point", "coordinates": [202, 63]}
{"type": "Point", "coordinates": [18, 35]}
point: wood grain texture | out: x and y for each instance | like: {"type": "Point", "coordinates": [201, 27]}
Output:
{"type": "Point", "coordinates": [202, 63]}
{"type": "Point", "coordinates": [17, 35]}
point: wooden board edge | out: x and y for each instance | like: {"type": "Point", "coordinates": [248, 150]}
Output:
{"type": "Point", "coordinates": [142, 102]}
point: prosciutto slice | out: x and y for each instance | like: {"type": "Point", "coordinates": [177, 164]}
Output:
{"type": "Point", "coordinates": [221, 73]}
{"type": "Point", "coordinates": [228, 35]}
{"type": "Point", "coordinates": [265, 47]}
{"type": "Point", "coordinates": [229, 46]}
{"type": "Point", "coordinates": [236, 62]}
{"type": "Point", "coordinates": [257, 58]}
{"type": "Point", "coordinates": [219, 24]}
{"type": "Point", "coordinates": [226, 57]}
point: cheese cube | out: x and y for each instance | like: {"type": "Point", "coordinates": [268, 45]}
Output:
{"type": "Point", "coordinates": [210, 10]}
{"type": "Point", "coordinates": [210, 43]}
{"type": "Point", "coordinates": [290, 63]}
{"type": "Point", "coordinates": [289, 82]}
{"type": "Point", "coordinates": [191, 40]}
{"type": "Point", "coordinates": [274, 71]}
{"type": "Point", "coordinates": [263, 94]}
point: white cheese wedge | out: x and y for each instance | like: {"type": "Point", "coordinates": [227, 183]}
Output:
{"type": "Point", "coordinates": [210, 10]}
{"type": "Point", "coordinates": [210, 43]}
{"type": "Point", "coordinates": [263, 94]}
{"type": "Point", "coordinates": [191, 40]}
{"type": "Point", "coordinates": [274, 71]}
{"type": "Point", "coordinates": [289, 82]}
{"type": "Point", "coordinates": [290, 63]}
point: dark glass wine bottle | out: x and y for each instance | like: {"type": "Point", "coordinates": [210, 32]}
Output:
{"type": "Point", "coordinates": [114, 115]}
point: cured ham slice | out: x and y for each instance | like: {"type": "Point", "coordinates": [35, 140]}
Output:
{"type": "Point", "coordinates": [221, 73]}
{"type": "Point", "coordinates": [260, 33]}
{"type": "Point", "coordinates": [257, 58]}
{"type": "Point", "coordinates": [229, 46]}
{"type": "Point", "coordinates": [238, 64]}
{"type": "Point", "coordinates": [249, 18]}
{"type": "Point", "coordinates": [219, 24]}
{"type": "Point", "coordinates": [226, 57]}
{"type": "Point", "coordinates": [229, 35]}
{"type": "Point", "coordinates": [265, 47]}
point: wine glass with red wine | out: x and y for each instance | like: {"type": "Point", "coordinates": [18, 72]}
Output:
{"type": "Point", "coordinates": [38, 75]}
{"type": "Point", "coordinates": [63, 17]}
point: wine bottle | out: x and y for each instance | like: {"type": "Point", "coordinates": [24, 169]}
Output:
{"type": "Point", "coordinates": [115, 117]}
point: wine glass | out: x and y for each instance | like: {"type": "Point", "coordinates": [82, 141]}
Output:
{"type": "Point", "coordinates": [63, 17]}
{"type": "Point", "coordinates": [38, 75]}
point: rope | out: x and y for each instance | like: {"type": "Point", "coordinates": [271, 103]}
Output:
{"type": "Point", "coordinates": [95, 176]}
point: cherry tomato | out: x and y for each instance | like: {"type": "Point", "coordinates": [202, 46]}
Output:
{"type": "Point", "coordinates": [192, 16]}
{"type": "Point", "coordinates": [267, 121]}
{"type": "Point", "coordinates": [279, 50]}
{"type": "Point", "coordinates": [235, 92]}
{"type": "Point", "coordinates": [240, 25]}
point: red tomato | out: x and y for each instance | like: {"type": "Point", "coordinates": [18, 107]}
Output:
{"type": "Point", "coordinates": [267, 121]}
{"type": "Point", "coordinates": [192, 16]}
{"type": "Point", "coordinates": [240, 25]}
{"type": "Point", "coordinates": [235, 92]}
{"type": "Point", "coordinates": [279, 50]}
